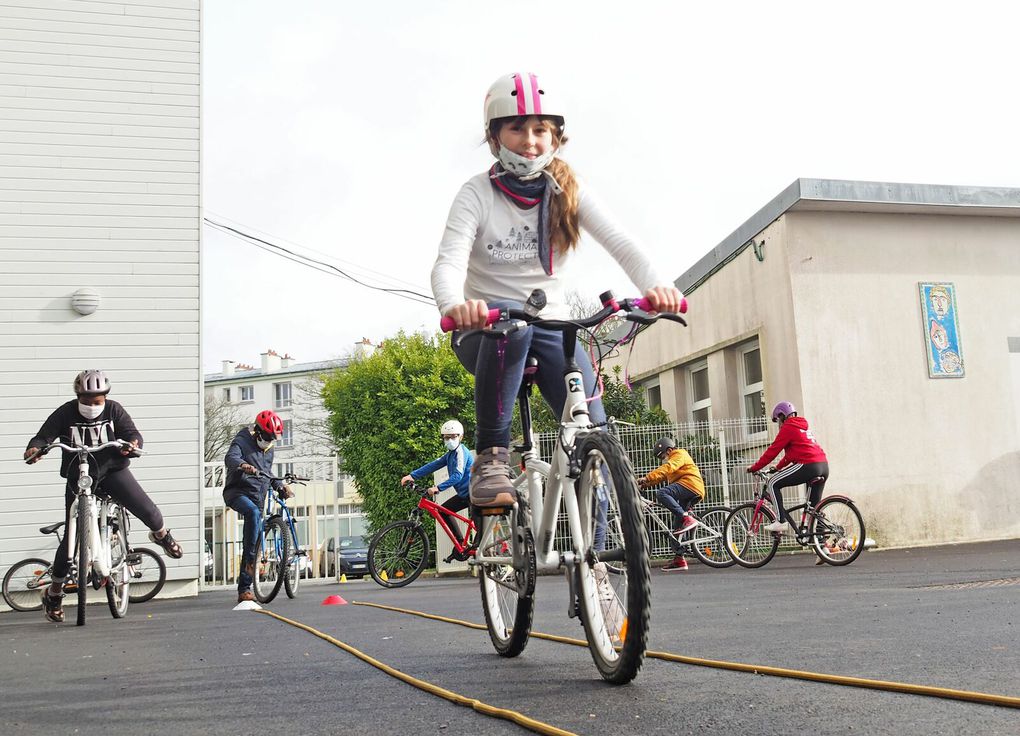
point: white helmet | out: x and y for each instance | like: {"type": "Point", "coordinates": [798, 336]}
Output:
{"type": "Point", "coordinates": [452, 426]}
{"type": "Point", "coordinates": [91, 382]}
{"type": "Point", "coordinates": [518, 94]}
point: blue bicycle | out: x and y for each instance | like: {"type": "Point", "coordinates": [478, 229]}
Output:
{"type": "Point", "coordinates": [278, 561]}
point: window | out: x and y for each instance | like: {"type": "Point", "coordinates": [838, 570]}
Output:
{"type": "Point", "coordinates": [247, 393]}
{"type": "Point", "coordinates": [287, 439]}
{"type": "Point", "coordinates": [653, 394]}
{"type": "Point", "coordinates": [700, 398]}
{"type": "Point", "coordinates": [226, 395]}
{"type": "Point", "coordinates": [751, 389]}
{"type": "Point", "coordinates": [281, 395]}
{"type": "Point", "coordinates": [282, 469]}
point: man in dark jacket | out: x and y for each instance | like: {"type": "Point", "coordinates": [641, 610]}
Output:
{"type": "Point", "coordinates": [250, 454]}
{"type": "Point", "coordinates": [89, 421]}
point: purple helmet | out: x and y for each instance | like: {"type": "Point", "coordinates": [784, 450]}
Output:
{"type": "Point", "coordinates": [783, 408]}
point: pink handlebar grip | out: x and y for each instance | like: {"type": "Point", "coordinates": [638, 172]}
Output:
{"type": "Point", "coordinates": [446, 324]}
{"type": "Point", "coordinates": [646, 306]}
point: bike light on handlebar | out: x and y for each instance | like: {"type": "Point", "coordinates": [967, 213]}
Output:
{"type": "Point", "coordinates": [84, 482]}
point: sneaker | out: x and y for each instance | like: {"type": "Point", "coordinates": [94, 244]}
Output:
{"type": "Point", "coordinates": [53, 605]}
{"type": "Point", "coordinates": [490, 479]}
{"type": "Point", "coordinates": [245, 595]}
{"type": "Point", "coordinates": [687, 524]}
{"type": "Point", "coordinates": [677, 564]}
{"type": "Point", "coordinates": [777, 527]}
{"type": "Point", "coordinates": [168, 543]}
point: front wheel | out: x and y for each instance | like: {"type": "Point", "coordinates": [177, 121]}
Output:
{"type": "Point", "coordinates": [398, 554]}
{"type": "Point", "coordinates": [293, 577]}
{"type": "Point", "coordinates": [614, 584]}
{"type": "Point", "coordinates": [148, 573]}
{"type": "Point", "coordinates": [83, 535]}
{"type": "Point", "coordinates": [119, 581]}
{"type": "Point", "coordinates": [24, 583]}
{"type": "Point", "coordinates": [837, 531]}
{"type": "Point", "coordinates": [271, 561]}
{"type": "Point", "coordinates": [508, 593]}
{"type": "Point", "coordinates": [707, 543]}
{"type": "Point", "coordinates": [746, 538]}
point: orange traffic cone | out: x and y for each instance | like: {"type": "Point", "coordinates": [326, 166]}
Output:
{"type": "Point", "coordinates": [334, 600]}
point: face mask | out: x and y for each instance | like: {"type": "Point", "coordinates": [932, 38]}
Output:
{"type": "Point", "coordinates": [263, 444]}
{"type": "Point", "coordinates": [451, 444]}
{"type": "Point", "coordinates": [90, 412]}
{"type": "Point", "coordinates": [521, 166]}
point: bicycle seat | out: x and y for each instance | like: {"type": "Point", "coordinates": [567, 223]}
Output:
{"type": "Point", "coordinates": [51, 529]}
{"type": "Point", "coordinates": [530, 370]}
{"type": "Point", "coordinates": [816, 480]}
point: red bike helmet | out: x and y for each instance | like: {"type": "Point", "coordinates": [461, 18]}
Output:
{"type": "Point", "coordinates": [269, 423]}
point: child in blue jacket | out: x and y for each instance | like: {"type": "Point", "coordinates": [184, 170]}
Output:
{"type": "Point", "coordinates": [458, 462]}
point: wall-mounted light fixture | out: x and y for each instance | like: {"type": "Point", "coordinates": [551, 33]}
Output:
{"type": "Point", "coordinates": [85, 301]}
{"type": "Point", "coordinates": [759, 249]}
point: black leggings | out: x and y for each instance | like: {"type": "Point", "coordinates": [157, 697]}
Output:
{"type": "Point", "coordinates": [795, 475]}
{"type": "Point", "coordinates": [122, 487]}
{"type": "Point", "coordinates": [456, 502]}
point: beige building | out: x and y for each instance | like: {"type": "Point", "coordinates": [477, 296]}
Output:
{"type": "Point", "coordinates": [890, 315]}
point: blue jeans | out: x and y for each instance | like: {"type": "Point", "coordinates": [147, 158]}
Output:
{"type": "Point", "coordinates": [498, 367]}
{"type": "Point", "coordinates": [252, 514]}
{"type": "Point", "coordinates": [679, 500]}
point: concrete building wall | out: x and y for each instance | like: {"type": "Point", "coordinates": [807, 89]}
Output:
{"type": "Point", "coordinates": [928, 459]}
{"type": "Point", "coordinates": [99, 188]}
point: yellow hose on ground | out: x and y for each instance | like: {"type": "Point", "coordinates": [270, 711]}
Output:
{"type": "Point", "coordinates": [484, 708]}
{"type": "Point", "coordinates": [1005, 701]}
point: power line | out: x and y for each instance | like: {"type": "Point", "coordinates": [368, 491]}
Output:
{"type": "Point", "coordinates": [312, 263]}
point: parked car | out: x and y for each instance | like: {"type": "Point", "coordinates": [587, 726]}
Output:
{"type": "Point", "coordinates": [352, 559]}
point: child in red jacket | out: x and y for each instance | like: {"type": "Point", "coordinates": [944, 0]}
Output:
{"type": "Point", "coordinates": [802, 460]}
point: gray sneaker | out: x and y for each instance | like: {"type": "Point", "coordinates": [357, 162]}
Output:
{"type": "Point", "coordinates": [490, 479]}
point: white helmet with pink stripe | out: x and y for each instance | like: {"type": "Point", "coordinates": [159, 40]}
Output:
{"type": "Point", "coordinates": [518, 94]}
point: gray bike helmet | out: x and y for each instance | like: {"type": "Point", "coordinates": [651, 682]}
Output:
{"type": "Point", "coordinates": [91, 383]}
{"type": "Point", "coordinates": [664, 445]}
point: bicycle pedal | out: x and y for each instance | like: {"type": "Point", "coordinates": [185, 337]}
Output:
{"type": "Point", "coordinates": [133, 558]}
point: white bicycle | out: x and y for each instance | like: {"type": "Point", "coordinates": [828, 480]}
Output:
{"type": "Point", "coordinates": [97, 535]}
{"type": "Point", "coordinates": [607, 564]}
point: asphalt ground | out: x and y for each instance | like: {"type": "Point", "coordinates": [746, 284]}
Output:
{"type": "Point", "coordinates": [194, 666]}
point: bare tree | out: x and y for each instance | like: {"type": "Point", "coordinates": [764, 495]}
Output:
{"type": "Point", "coordinates": [581, 306]}
{"type": "Point", "coordinates": [222, 420]}
{"type": "Point", "coordinates": [316, 435]}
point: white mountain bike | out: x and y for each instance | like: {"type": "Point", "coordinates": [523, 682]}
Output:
{"type": "Point", "coordinates": [97, 535]}
{"type": "Point", "coordinates": [606, 565]}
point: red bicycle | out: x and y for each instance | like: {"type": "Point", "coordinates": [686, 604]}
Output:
{"type": "Point", "coordinates": [399, 552]}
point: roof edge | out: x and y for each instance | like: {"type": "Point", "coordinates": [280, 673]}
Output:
{"type": "Point", "coordinates": [873, 194]}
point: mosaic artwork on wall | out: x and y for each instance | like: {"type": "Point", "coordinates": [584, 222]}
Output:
{"type": "Point", "coordinates": [941, 330]}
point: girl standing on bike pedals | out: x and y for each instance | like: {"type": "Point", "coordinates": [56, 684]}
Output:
{"type": "Point", "coordinates": [802, 460]}
{"type": "Point", "coordinates": [88, 421]}
{"type": "Point", "coordinates": [513, 229]}
{"type": "Point", "coordinates": [685, 489]}
{"type": "Point", "coordinates": [458, 462]}
{"type": "Point", "coordinates": [250, 453]}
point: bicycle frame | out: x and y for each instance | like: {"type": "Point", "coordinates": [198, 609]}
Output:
{"type": "Point", "coordinates": [765, 497]}
{"type": "Point", "coordinates": [696, 533]}
{"type": "Point", "coordinates": [544, 498]}
{"type": "Point", "coordinates": [440, 514]}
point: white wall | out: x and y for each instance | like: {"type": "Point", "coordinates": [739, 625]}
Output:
{"type": "Point", "coordinates": [99, 187]}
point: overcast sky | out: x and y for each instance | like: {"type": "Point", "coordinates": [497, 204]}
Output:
{"type": "Point", "coordinates": [343, 130]}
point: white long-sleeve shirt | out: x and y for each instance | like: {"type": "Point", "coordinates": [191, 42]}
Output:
{"type": "Point", "coordinates": [489, 251]}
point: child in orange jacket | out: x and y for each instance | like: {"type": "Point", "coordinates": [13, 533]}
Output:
{"type": "Point", "coordinates": [686, 487]}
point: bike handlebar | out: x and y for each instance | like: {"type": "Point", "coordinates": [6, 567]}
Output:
{"type": "Point", "coordinates": [610, 306]}
{"type": "Point", "coordinates": [287, 478]}
{"type": "Point", "coordinates": [122, 444]}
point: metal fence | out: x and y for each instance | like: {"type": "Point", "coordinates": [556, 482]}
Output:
{"type": "Point", "coordinates": [321, 509]}
{"type": "Point", "coordinates": [722, 450]}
